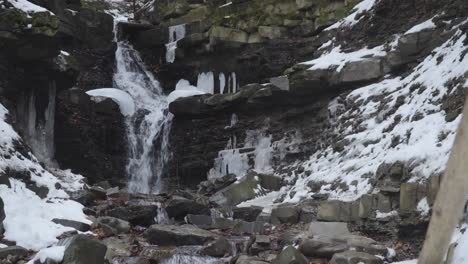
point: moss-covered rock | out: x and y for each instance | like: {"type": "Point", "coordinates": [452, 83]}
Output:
{"type": "Point", "coordinates": [44, 23]}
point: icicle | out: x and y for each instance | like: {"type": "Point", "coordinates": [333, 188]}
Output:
{"type": "Point", "coordinates": [222, 83]}
{"type": "Point", "coordinates": [205, 82]}
{"type": "Point", "coordinates": [234, 83]}
{"type": "Point", "coordinates": [176, 33]}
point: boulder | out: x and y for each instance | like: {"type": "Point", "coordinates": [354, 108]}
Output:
{"type": "Point", "coordinates": [117, 248]}
{"type": "Point", "coordinates": [208, 222]}
{"type": "Point", "coordinates": [234, 194]}
{"type": "Point", "coordinates": [13, 251]}
{"type": "Point", "coordinates": [285, 214]}
{"type": "Point", "coordinates": [270, 182]}
{"type": "Point", "coordinates": [334, 210]}
{"type": "Point", "coordinates": [353, 257]}
{"type": "Point", "coordinates": [330, 229]}
{"type": "Point", "coordinates": [113, 226]}
{"type": "Point", "coordinates": [248, 214]}
{"type": "Point", "coordinates": [178, 207]}
{"type": "Point", "coordinates": [290, 255]}
{"type": "Point", "coordinates": [83, 227]}
{"type": "Point", "coordinates": [218, 248]}
{"type": "Point", "coordinates": [84, 250]}
{"type": "Point", "coordinates": [362, 71]}
{"type": "Point", "coordinates": [137, 215]}
{"type": "Point", "coordinates": [170, 235]}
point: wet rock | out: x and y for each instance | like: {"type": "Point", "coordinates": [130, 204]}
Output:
{"type": "Point", "coordinates": [13, 251]}
{"type": "Point", "coordinates": [84, 250]}
{"type": "Point", "coordinates": [290, 255]}
{"type": "Point", "coordinates": [218, 248]}
{"type": "Point", "coordinates": [242, 227]}
{"type": "Point", "coordinates": [117, 248]}
{"type": "Point", "coordinates": [169, 235]}
{"type": "Point", "coordinates": [285, 214]}
{"type": "Point", "coordinates": [352, 257]}
{"type": "Point", "coordinates": [248, 214]}
{"type": "Point", "coordinates": [236, 193]}
{"type": "Point", "coordinates": [83, 227]}
{"type": "Point", "coordinates": [178, 207]}
{"type": "Point", "coordinates": [98, 192]}
{"type": "Point", "coordinates": [137, 215]}
{"type": "Point", "coordinates": [157, 253]}
{"type": "Point", "coordinates": [113, 226]}
{"type": "Point", "coordinates": [249, 260]}
{"type": "Point", "coordinates": [132, 260]}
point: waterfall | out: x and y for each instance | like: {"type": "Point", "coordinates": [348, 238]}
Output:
{"type": "Point", "coordinates": [149, 126]}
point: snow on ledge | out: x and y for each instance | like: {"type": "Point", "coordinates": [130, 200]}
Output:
{"type": "Point", "coordinates": [183, 89]}
{"type": "Point", "coordinates": [338, 58]}
{"type": "Point", "coordinates": [123, 99]}
{"type": "Point", "coordinates": [27, 6]}
{"type": "Point", "coordinates": [429, 24]}
{"type": "Point", "coordinates": [351, 20]}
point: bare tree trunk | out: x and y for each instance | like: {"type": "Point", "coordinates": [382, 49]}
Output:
{"type": "Point", "coordinates": [451, 198]}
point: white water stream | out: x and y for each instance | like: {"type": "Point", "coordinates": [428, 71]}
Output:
{"type": "Point", "coordinates": [149, 127]}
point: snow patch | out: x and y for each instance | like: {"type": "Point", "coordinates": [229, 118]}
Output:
{"type": "Point", "coordinates": [52, 253]}
{"type": "Point", "coordinates": [423, 207]}
{"type": "Point", "coordinates": [337, 58]}
{"type": "Point", "coordinates": [27, 6]}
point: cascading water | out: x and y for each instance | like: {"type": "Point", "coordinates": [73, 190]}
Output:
{"type": "Point", "coordinates": [149, 126]}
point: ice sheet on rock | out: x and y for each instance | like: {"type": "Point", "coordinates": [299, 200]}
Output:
{"type": "Point", "coordinates": [183, 89]}
{"type": "Point", "coordinates": [27, 6]}
{"type": "Point", "coordinates": [336, 57]}
{"type": "Point", "coordinates": [352, 19]}
{"type": "Point", "coordinates": [52, 253]}
{"type": "Point", "coordinates": [122, 98]}
{"type": "Point", "coordinates": [255, 153]}
{"type": "Point", "coordinates": [176, 33]}
{"type": "Point", "coordinates": [428, 24]}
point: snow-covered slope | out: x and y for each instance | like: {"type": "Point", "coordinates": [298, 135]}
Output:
{"type": "Point", "coordinates": [28, 217]}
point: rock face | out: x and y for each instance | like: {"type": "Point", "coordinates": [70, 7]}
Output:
{"type": "Point", "coordinates": [167, 235]}
{"type": "Point", "coordinates": [85, 136]}
{"type": "Point", "coordinates": [84, 250]}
